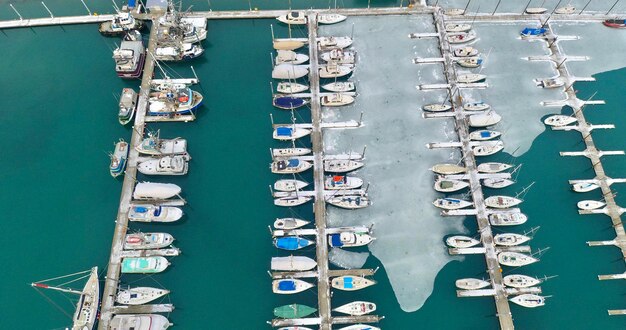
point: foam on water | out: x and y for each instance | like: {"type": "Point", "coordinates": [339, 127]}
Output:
{"type": "Point", "coordinates": [347, 259]}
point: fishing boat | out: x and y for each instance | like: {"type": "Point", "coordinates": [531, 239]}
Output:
{"type": "Point", "coordinates": [128, 104]}
{"type": "Point", "coordinates": [496, 183]}
{"type": "Point", "coordinates": [451, 203]}
{"type": "Point", "coordinates": [458, 241]}
{"type": "Point", "coordinates": [154, 145]}
{"type": "Point", "coordinates": [457, 27]}
{"type": "Point", "coordinates": [536, 10]}
{"type": "Point", "coordinates": [533, 32]}
{"type": "Point", "coordinates": [339, 56]}
{"type": "Point", "coordinates": [154, 213]}
{"type": "Point", "coordinates": [290, 286]}
{"type": "Point", "coordinates": [290, 152]}
{"type": "Point", "coordinates": [449, 185]}
{"type": "Point", "coordinates": [86, 312]}
{"type": "Point", "coordinates": [165, 165]}
{"type": "Point", "coordinates": [118, 158]}
{"type": "Point", "coordinates": [182, 51]}
{"type": "Point", "coordinates": [291, 243]}
{"type": "Point", "coordinates": [351, 283]}
{"type": "Point", "coordinates": [550, 82]}
{"type": "Point", "coordinates": [484, 119]}
{"type": "Point", "coordinates": [145, 265]}
{"type": "Point", "coordinates": [501, 202]}
{"type": "Point", "coordinates": [507, 219]}
{"type": "Point", "coordinates": [293, 311]}
{"type": "Point", "coordinates": [338, 182]}
{"type": "Point", "coordinates": [470, 62]}
{"type": "Point", "coordinates": [565, 10]}
{"type": "Point", "coordinates": [139, 295]}
{"type": "Point", "coordinates": [144, 241]}
{"type": "Point", "coordinates": [471, 283]}
{"type": "Point", "coordinates": [339, 86]}
{"type": "Point", "coordinates": [470, 78]}
{"type": "Point", "coordinates": [139, 322]}
{"type": "Point", "coordinates": [590, 205]}
{"type": "Point", "coordinates": [484, 135]}
{"type": "Point", "coordinates": [289, 71]}
{"type": "Point", "coordinates": [350, 202]}
{"type": "Point", "coordinates": [174, 102]}
{"type": "Point", "coordinates": [293, 263]}
{"type": "Point", "coordinates": [289, 166]}
{"type": "Point", "coordinates": [349, 239]}
{"type": "Point", "coordinates": [290, 87]}
{"type": "Point", "coordinates": [328, 43]}
{"type": "Point", "coordinates": [461, 37]}
{"type": "Point", "coordinates": [356, 308]}
{"type": "Point", "coordinates": [330, 18]}
{"type": "Point", "coordinates": [336, 100]}
{"type": "Point", "coordinates": [291, 201]}
{"type": "Point", "coordinates": [290, 133]}
{"type": "Point", "coordinates": [155, 191]}
{"type": "Point", "coordinates": [529, 300]}
{"type": "Point", "coordinates": [293, 18]}
{"type": "Point", "coordinates": [341, 165]}
{"type": "Point", "coordinates": [289, 223]}
{"type": "Point", "coordinates": [559, 120]}
{"type": "Point", "coordinates": [287, 44]}
{"type": "Point", "coordinates": [437, 107]}
{"type": "Point", "coordinates": [288, 102]}
{"type": "Point", "coordinates": [289, 185]}
{"type": "Point", "coordinates": [447, 169]}
{"type": "Point", "coordinates": [515, 259]}
{"type": "Point", "coordinates": [492, 167]}
{"type": "Point", "coordinates": [615, 23]}
{"type": "Point", "coordinates": [467, 51]}
{"type": "Point", "coordinates": [476, 106]}
{"type": "Point", "coordinates": [121, 23]}
{"type": "Point", "coordinates": [290, 57]}
{"type": "Point", "coordinates": [520, 281]}
{"type": "Point", "coordinates": [487, 150]}
{"type": "Point", "coordinates": [584, 186]}
{"type": "Point", "coordinates": [334, 70]}
{"type": "Point", "coordinates": [510, 239]}
{"type": "Point", "coordinates": [181, 31]}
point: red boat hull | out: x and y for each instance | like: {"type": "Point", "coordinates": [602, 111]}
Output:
{"type": "Point", "coordinates": [614, 25]}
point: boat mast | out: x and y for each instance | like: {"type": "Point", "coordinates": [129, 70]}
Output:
{"type": "Point", "coordinates": [44, 286]}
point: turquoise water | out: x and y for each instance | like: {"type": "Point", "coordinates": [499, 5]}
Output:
{"type": "Point", "coordinates": [58, 121]}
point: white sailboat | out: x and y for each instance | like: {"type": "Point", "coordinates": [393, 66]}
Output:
{"type": "Point", "coordinates": [447, 169]}
{"type": "Point", "coordinates": [287, 44]}
{"type": "Point", "coordinates": [476, 106]}
{"type": "Point", "coordinates": [292, 263]}
{"type": "Point", "coordinates": [449, 185]}
{"type": "Point", "coordinates": [357, 327]}
{"type": "Point", "coordinates": [520, 281]}
{"type": "Point", "coordinates": [339, 86]}
{"type": "Point", "coordinates": [470, 62]}
{"type": "Point", "coordinates": [140, 322]}
{"type": "Point", "coordinates": [351, 283]}
{"type": "Point", "coordinates": [339, 182]}
{"type": "Point", "coordinates": [510, 239]}
{"type": "Point", "coordinates": [461, 27]}
{"type": "Point", "coordinates": [515, 259]}
{"type": "Point", "coordinates": [329, 43]}
{"type": "Point", "coordinates": [484, 119]}
{"type": "Point", "coordinates": [467, 51]}
{"type": "Point", "coordinates": [496, 183]}
{"type": "Point", "coordinates": [437, 107]}
{"type": "Point", "coordinates": [155, 191]}
{"type": "Point", "coordinates": [461, 37]}
{"type": "Point", "coordinates": [291, 201]}
{"type": "Point", "coordinates": [336, 100]}
{"type": "Point", "coordinates": [492, 167]}
{"type": "Point", "coordinates": [356, 308]}
{"type": "Point", "coordinates": [487, 150]}
{"type": "Point", "coordinates": [289, 185]}
{"type": "Point", "coordinates": [584, 186]}
{"type": "Point", "coordinates": [536, 10]}
{"type": "Point", "coordinates": [502, 202]}
{"type": "Point", "coordinates": [289, 223]}
{"type": "Point", "coordinates": [139, 295]}
{"type": "Point", "coordinates": [484, 135]}
{"type": "Point", "coordinates": [471, 78]}
{"type": "Point", "coordinates": [451, 203]}
{"type": "Point", "coordinates": [290, 152]}
{"type": "Point", "coordinates": [507, 219]}
{"type": "Point", "coordinates": [590, 205]}
{"type": "Point", "coordinates": [290, 87]}
{"type": "Point", "coordinates": [289, 71]}
{"type": "Point", "coordinates": [290, 133]}
{"type": "Point", "coordinates": [559, 120]}
{"type": "Point", "coordinates": [458, 241]}
{"type": "Point", "coordinates": [154, 213]}
{"type": "Point", "coordinates": [290, 57]}
{"type": "Point", "coordinates": [350, 202]}
{"type": "Point", "coordinates": [471, 283]}
{"type": "Point", "coordinates": [334, 70]}
{"type": "Point", "coordinates": [565, 10]}
{"type": "Point", "coordinates": [340, 56]}
{"type": "Point", "coordinates": [330, 18]}
{"type": "Point", "coordinates": [290, 286]}
{"type": "Point", "coordinates": [341, 165]}
{"type": "Point", "coordinates": [289, 166]}
{"type": "Point", "coordinates": [529, 300]}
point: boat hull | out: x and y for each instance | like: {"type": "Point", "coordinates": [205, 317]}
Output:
{"type": "Point", "coordinates": [140, 295]}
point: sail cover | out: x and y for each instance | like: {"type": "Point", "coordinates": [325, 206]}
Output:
{"type": "Point", "coordinates": [287, 285]}
{"type": "Point", "coordinates": [284, 131]}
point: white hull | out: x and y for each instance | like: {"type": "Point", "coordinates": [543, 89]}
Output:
{"type": "Point", "coordinates": [140, 322]}
{"type": "Point", "coordinates": [356, 308]}
{"type": "Point", "coordinates": [466, 52]}
{"type": "Point", "coordinates": [502, 202]}
{"type": "Point", "coordinates": [341, 166]}
{"type": "Point", "coordinates": [151, 146]}
{"type": "Point", "coordinates": [154, 213]}
{"type": "Point", "coordinates": [492, 167]}
{"type": "Point", "coordinates": [142, 241]}
{"type": "Point", "coordinates": [342, 182]}
{"type": "Point", "coordinates": [166, 165]}
{"type": "Point", "coordinates": [328, 43]}
{"type": "Point", "coordinates": [536, 10]}
{"type": "Point", "coordinates": [351, 283]}
{"type": "Point", "coordinates": [488, 150]}
{"type": "Point", "coordinates": [447, 169]}
{"type": "Point", "coordinates": [529, 300]}
{"type": "Point", "coordinates": [293, 263]}
{"type": "Point", "coordinates": [155, 191]}
{"type": "Point", "coordinates": [458, 241]}
{"type": "Point", "coordinates": [292, 201]}
{"type": "Point", "coordinates": [471, 78]}
{"type": "Point", "coordinates": [590, 205]}
{"type": "Point", "coordinates": [484, 119]}
{"type": "Point", "coordinates": [287, 44]}
{"type": "Point", "coordinates": [298, 286]}
{"type": "Point", "coordinates": [461, 37]}
{"type": "Point", "coordinates": [289, 71]}
{"type": "Point", "coordinates": [437, 107]}
{"type": "Point", "coordinates": [476, 106]}
{"type": "Point", "coordinates": [349, 202]}
{"type": "Point", "coordinates": [484, 135]}
{"type": "Point", "coordinates": [472, 62]}
{"type": "Point", "coordinates": [507, 219]}
{"type": "Point", "coordinates": [520, 281]}
{"type": "Point", "coordinates": [359, 327]}
{"type": "Point", "coordinates": [349, 239]}
{"type": "Point", "coordinates": [139, 295]}
{"type": "Point", "coordinates": [497, 183]}
{"type": "Point", "coordinates": [559, 120]}
{"type": "Point", "coordinates": [336, 100]}
{"type": "Point", "coordinates": [447, 185]}
{"type": "Point", "coordinates": [584, 187]}
{"type": "Point", "coordinates": [471, 284]}
{"type": "Point", "coordinates": [290, 152]}
{"type": "Point", "coordinates": [293, 18]}
{"type": "Point", "coordinates": [290, 57]}
{"type": "Point", "coordinates": [339, 86]}
{"type": "Point", "coordinates": [289, 223]}
{"type": "Point", "coordinates": [330, 18]}
{"type": "Point", "coordinates": [289, 166]}
{"type": "Point", "coordinates": [566, 10]}
{"type": "Point", "coordinates": [339, 56]}
{"type": "Point", "coordinates": [334, 71]}
{"type": "Point", "coordinates": [289, 185]}
{"type": "Point", "coordinates": [294, 134]}
{"type": "Point", "coordinates": [550, 82]}
{"type": "Point", "coordinates": [514, 259]}
{"type": "Point", "coordinates": [451, 203]}
{"type": "Point", "coordinates": [510, 239]}
{"type": "Point", "coordinates": [458, 27]}
{"type": "Point", "coordinates": [291, 87]}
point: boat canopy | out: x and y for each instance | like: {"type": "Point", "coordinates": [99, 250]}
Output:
{"type": "Point", "coordinates": [335, 240]}
{"type": "Point", "coordinates": [347, 283]}
{"type": "Point", "coordinates": [533, 31]}
{"type": "Point", "coordinates": [284, 131]}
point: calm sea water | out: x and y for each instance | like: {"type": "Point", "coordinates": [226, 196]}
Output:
{"type": "Point", "coordinates": [58, 122]}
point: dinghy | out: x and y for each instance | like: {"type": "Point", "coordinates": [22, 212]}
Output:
{"type": "Point", "coordinates": [290, 57]}
{"type": "Point", "coordinates": [166, 165]}
{"type": "Point", "coordinates": [139, 295]}
{"type": "Point", "coordinates": [465, 52]}
{"type": "Point", "coordinates": [290, 87]}
{"type": "Point", "coordinates": [336, 100]}
{"type": "Point", "coordinates": [559, 120]}
{"type": "Point", "coordinates": [339, 56]}
{"type": "Point", "coordinates": [289, 185]}
{"type": "Point", "coordinates": [339, 182]}
{"type": "Point", "coordinates": [437, 107]}
{"type": "Point", "coordinates": [584, 186]}
{"type": "Point", "coordinates": [154, 145]}
{"type": "Point", "coordinates": [492, 167]}
{"type": "Point", "coordinates": [330, 18]}
{"type": "Point", "coordinates": [349, 239]}
{"type": "Point", "coordinates": [447, 169]}
{"type": "Point", "coordinates": [349, 202]}
{"type": "Point", "coordinates": [459, 241]}
{"type": "Point", "coordinates": [334, 71]}
{"type": "Point", "coordinates": [501, 202]}
{"type": "Point", "coordinates": [339, 86]}
{"type": "Point", "coordinates": [289, 71]}
{"type": "Point", "coordinates": [128, 104]}
{"type": "Point", "coordinates": [293, 18]}
{"type": "Point", "coordinates": [451, 203]}
{"type": "Point", "coordinates": [520, 281]}
{"type": "Point", "coordinates": [290, 166]}
{"type": "Point", "coordinates": [510, 239]}
{"type": "Point", "coordinates": [461, 37]}
{"type": "Point", "coordinates": [476, 106]}
{"type": "Point", "coordinates": [290, 152]}
{"type": "Point", "coordinates": [288, 102]}
{"type": "Point", "coordinates": [291, 243]}
{"type": "Point", "coordinates": [118, 158]}
{"type": "Point", "coordinates": [565, 10]}
{"type": "Point", "coordinates": [356, 308]}
{"type": "Point", "coordinates": [457, 27]}
{"type": "Point", "coordinates": [293, 311]}
{"type": "Point", "coordinates": [529, 300]}
{"type": "Point", "coordinates": [495, 183]}
{"type": "Point", "coordinates": [515, 259]}
{"type": "Point", "coordinates": [351, 283]}
{"type": "Point", "coordinates": [329, 43]}
{"type": "Point", "coordinates": [155, 191]}
{"type": "Point", "coordinates": [140, 322]}
{"type": "Point", "coordinates": [470, 78]}
{"type": "Point", "coordinates": [143, 241]}
{"type": "Point", "coordinates": [590, 205]}
{"type": "Point", "coordinates": [535, 10]}
{"type": "Point", "coordinates": [289, 133]}
{"type": "Point", "coordinates": [287, 44]}
{"type": "Point", "coordinates": [154, 213]}
{"type": "Point", "coordinates": [471, 284]}
{"type": "Point", "coordinates": [146, 265]}
{"type": "Point", "coordinates": [341, 165]}
{"type": "Point", "coordinates": [449, 185]}
{"type": "Point", "coordinates": [487, 150]}
{"type": "Point", "coordinates": [484, 135]}
{"type": "Point", "coordinates": [484, 119]}
{"type": "Point", "coordinates": [290, 286]}
{"type": "Point", "coordinates": [291, 201]}
{"type": "Point", "coordinates": [293, 263]}
{"type": "Point", "coordinates": [471, 62]}
{"type": "Point", "coordinates": [289, 223]}
{"type": "Point", "coordinates": [507, 219]}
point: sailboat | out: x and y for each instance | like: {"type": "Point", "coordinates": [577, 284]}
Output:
{"type": "Point", "coordinates": [341, 165]}
{"type": "Point", "coordinates": [590, 205]}
{"type": "Point", "coordinates": [356, 308]}
{"type": "Point", "coordinates": [289, 71]}
{"type": "Point", "coordinates": [330, 18]}
{"type": "Point", "coordinates": [437, 107]}
{"type": "Point", "coordinates": [290, 57]}
{"type": "Point", "coordinates": [492, 167]}
{"type": "Point", "coordinates": [288, 102]}
{"type": "Point", "coordinates": [459, 241]}
{"type": "Point", "coordinates": [510, 239]}
{"type": "Point", "coordinates": [339, 86]}
{"type": "Point", "coordinates": [291, 243]}
{"type": "Point", "coordinates": [449, 185]}
{"type": "Point", "coordinates": [501, 202]}
{"type": "Point", "coordinates": [349, 202]}
{"type": "Point", "coordinates": [559, 120]}
{"type": "Point", "coordinates": [495, 183]}
{"type": "Point", "coordinates": [334, 70]}
{"type": "Point", "coordinates": [289, 223]}
{"type": "Point", "coordinates": [351, 283]}
{"type": "Point", "coordinates": [457, 27]}
{"type": "Point", "coordinates": [290, 286]}
{"type": "Point", "coordinates": [329, 43]}
{"type": "Point", "coordinates": [293, 311]}
{"type": "Point", "coordinates": [291, 201]}
{"type": "Point", "coordinates": [461, 37]}
{"type": "Point", "coordinates": [87, 307]}
{"type": "Point", "coordinates": [471, 283]}
{"type": "Point", "coordinates": [338, 182]}
{"type": "Point", "coordinates": [476, 106]}
{"type": "Point", "coordinates": [520, 281]}
{"type": "Point", "coordinates": [529, 300]}
{"type": "Point", "coordinates": [289, 166]}
{"type": "Point", "coordinates": [290, 152]}
{"type": "Point", "coordinates": [484, 119]}
{"type": "Point", "coordinates": [487, 150]}
{"type": "Point", "coordinates": [293, 263]}
{"type": "Point", "coordinates": [289, 133]}
{"type": "Point", "coordinates": [465, 52]}
{"type": "Point", "coordinates": [357, 327]}
{"type": "Point", "coordinates": [289, 185]}
{"type": "Point", "coordinates": [584, 186]}
{"type": "Point", "coordinates": [484, 135]}
{"type": "Point", "coordinates": [507, 219]}
{"type": "Point", "coordinates": [340, 56]}
{"type": "Point", "coordinates": [470, 62]}
{"type": "Point", "coordinates": [336, 100]}
{"type": "Point", "coordinates": [451, 203]}
{"type": "Point", "coordinates": [139, 295]}
{"type": "Point", "coordinates": [155, 191]}
{"type": "Point", "coordinates": [515, 259]}
{"type": "Point", "coordinates": [140, 322]}
{"type": "Point", "coordinates": [448, 169]}
{"type": "Point", "coordinates": [290, 87]}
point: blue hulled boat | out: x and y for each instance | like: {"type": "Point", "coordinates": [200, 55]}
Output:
{"type": "Point", "coordinates": [533, 32]}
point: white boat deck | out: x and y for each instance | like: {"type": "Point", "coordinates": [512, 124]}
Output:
{"type": "Point", "coordinates": [327, 193]}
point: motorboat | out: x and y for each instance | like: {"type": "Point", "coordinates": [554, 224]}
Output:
{"type": "Point", "coordinates": [339, 86]}
{"type": "Point", "coordinates": [533, 32]}
{"type": "Point", "coordinates": [339, 56]}
{"type": "Point", "coordinates": [476, 106]}
{"type": "Point", "coordinates": [139, 295]}
{"type": "Point", "coordinates": [154, 213]}
{"type": "Point", "coordinates": [293, 18]}
{"type": "Point", "coordinates": [154, 145]}
{"type": "Point", "coordinates": [449, 185]}
{"type": "Point", "coordinates": [615, 23]}
{"type": "Point", "coordinates": [484, 135]}
{"type": "Point", "coordinates": [550, 82]}
{"type": "Point", "coordinates": [290, 87]}
{"type": "Point", "coordinates": [330, 18]}
{"type": "Point", "coordinates": [496, 183]}
{"type": "Point", "coordinates": [174, 102]}
{"type": "Point", "coordinates": [144, 265]}
{"type": "Point", "coordinates": [293, 311]}
{"type": "Point", "coordinates": [501, 202]}
{"type": "Point", "coordinates": [128, 105]}
{"type": "Point", "coordinates": [173, 27]}
{"type": "Point", "coordinates": [358, 327]}
{"type": "Point", "coordinates": [341, 165]}
{"type": "Point", "coordinates": [339, 182]}
{"type": "Point", "coordinates": [487, 150]}
{"type": "Point", "coordinates": [529, 300]}
{"type": "Point", "coordinates": [290, 152]}
{"type": "Point", "coordinates": [121, 23]}
{"type": "Point", "coordinates": [351, 283]}
{"type": "Point", "coordinates": [329, 43]}
{"type": "Point", "coordinates": [452, 27]}
{"type": "Point", "coordinates": [291, 243]}
{"type": "Point", "coordinates": [290, 286]}
{"type": "Point", "coordinates": [356, 308]}
{"type": "Point", "coordinates": [451, 203]}
{"type": "Point", "coordinates": [336, 100]}
{"type": "Point", "coordinates": [118, 158]}
{"type": "Point", "coordinates": [289, 185]}
{"type": "Point", "coordinates": [289, 223]}
{"type": "Point", "coordinates": [584, 186]}
{"type": "Point", "coordinates": [155, 191]}
{"type": "Point", "coordinates": [489, 118]}
{"type": "Point", "coordinates": [470, 78]}
{"type": "Point", "coordinates": [492, 167]}
{"type": "Point", "coordinates": [536, 10]}
{"type": "Point", "coordinates": [350, 202]}
{"type": "Point", "coordinates": [467, 51]}
{"type": "Point", "coordinates": [334, 70]}
{"type": "Point", "coordinates": [288, 102]}
{"type": "Point", "coordinates": [590, 205]}
{"type": "Point", "coordinates": [559, 120]}
{"type": "Point", "coordinates": [507, 219]}
{"type": "Point", "coordinates": [291, 201]}
{"type": "Point", "coordinates": [447, 169]}
{"type": "Point", "coordinates": [461, 37]}
{"type": "Point", "coordinates": [515, 259]}
{"type": "Point", "coordinates": [293, 263]}
{"type": "Point", "coordinates": [470, 62]}
{"type": "Point", "coordinates": [510, 239]}
{"type": "Point", "coordinates": [139, 322]}
{"type": "Point", "coordinates": [290, 166]}
{"type": "Point", "coordinates": [287, 44]}
{"type": "Point", "coordinates": [289, 71]}
{"type": "Point", "coordinates": [290, 57]}
{"type": "Point", "coordinates": [520, 281]}
{"type": "Point", "coordinates": [165, 165]}
{"type": "Point", "coordinates": [458, 241]}
{"type": "Point", "coordinates": [144, 241]}
{"type": "Point", "coordinates": [290, 133]}
{"type": "Point", "coordinates": [471, 283]}
{"type": "Point", "coordinates": [176, 52]}
{"type": "Point", "coordinates": [565, 10]}
{"type": "Point", "coordinates": [437, 107]}
{"type": "Point", "coordinates": [349, 239]}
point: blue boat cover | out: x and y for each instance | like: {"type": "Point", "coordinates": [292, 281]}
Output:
{"type": "Point", "coordinates": [286, 285]}
{"type": "Point", "coordinates": [140, 209]}
{"type": "Point", "coordinates": [290, 243]}
{"type": "Point", "coordinates": [533, 31]}
{"type": "Point", "coordinates": [347, 283]}
{"type": "Point", "coordinates": [284, 131]}
{"type": "Point", "coordinates": [485, 134]}
{"type": "Point", "coordinates": [335, 240]}
{"type": "Point", "coordinates": [132, 3]}
{"type": "Point", "coordinates": [293, 162]}
{"type": "Point", "coordinates": [288, 102]}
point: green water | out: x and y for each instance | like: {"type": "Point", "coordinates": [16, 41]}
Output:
{"type": "Point", "coordinates": [58, 121]}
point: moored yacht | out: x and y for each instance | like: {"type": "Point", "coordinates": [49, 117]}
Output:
{"type": "Point", "coordinates": [289, 166]}
{"type": "Point", "coordinates": [291, 243]}
{"type": "Point", "coordinates": [288, 102]}
{"type": "Point", "coordinates": [293, 263]}
{"type": "Point", "coordinates": [129, 58]}
{"type": "Point", "coordinates": [329, 43]}
{"type": "Point", "coordinates": [139, 322]}
{"type": "Point", "coordinates": [290, 57]}
{"type": "Point", "coordinates": [492, 167]}
{"type": "Point", "coordinates": [289, 133]}
{"type": "Point", "coordinates": [341, 165]}
{"type": "Point", "coordinates": [174, 102]}
{"type": "Point", "coordinates": [121, 23]}
{"type": "Point", "coordinates": [356, 308]}
{"type": "Point", "coordinates": [476, 106]}
{"type": "Point", "coordinates": [520, 281]}
{"type": "Point", "coordinates": [488, 118]}
{"type": "Point", "coordinates": [289, 223]}
{"type": "Point", "coordinates": [451, 203]}
{"type": "Point", "coordinates": [507, 219]}
{"type": "Point", "coordinates": [447, 169]}
{"type": "Point", "coordinates": [179, 51]}
{"type": "Point", "coordinates": [467, 51]}
{"type": "Point", "coordinates": [350, 202]}
{"type": "Point", "coordinates": [340, 56]}
{"type": "Point", "coordinates": [293, 18]}
{"type": "Point", "coordinates": [290, 286]}
{"type": "Point", "coordinates": [501, 202]}
{"type": "Point", "coordinates": [143, 241]}
{"type": "Point", "coordinates": [165, 165]}
{"type": "Point", "coordinates": [330, 18]}
{"type": "Point", "coordinates": [289, 71]}
{"type": "Point", "coordinates": [590, 205]}
{"type": "Point", "coordinates": [559, 120]}
{"type": "Point", "coordinates": [471, 283]}
{"type": "Point", "coordinates": [510, 239]}
{"type": "Point", "coordinates": [458, 241]}
{"type": "Point", "coordinates": [496, 183]}
{"type": "Point", "coordinates": [290, 87]}
{"type": "Point", "coordinates": [154, 145]}
{"type": "Point", "coordinates": [334, 70]}
{"type": "Point", "coordinates": [349, 239]}
{"type": "Point", "coordinates": [471, 78]}
{"type": "Point", "coordinates": [449, 185]}
{"type": "Point", "coordinates": [128, 104]}
{"type": "Point", "coordinates": [351, 283]}
{"type": "Point", "coordinates": [487, 150]}
{"type": "Point", "coordinates": [289, 185]}
{"type": "Point", "coordinates": [437, 107]}
{"type": "Point", "coordinates": [144, 265]}
{"type": "Point", "coordinates": [154, 213]}
{"type": "Point", "coordinates": [452, 27]}
{"type": "Point", "coordinates": [515, 259]}
{"type": "Point", "coordinates": [529, 300]}
{"type": "Point", "coordinates": [461, 37]}
{"type": "Point", "coordinates": [338, 182]}
{"type": "Point", "coordinates": [336, 100]}
{"type": "Point", "coordinates": [118, 158]}
{"type": "Point", "coordinates": [139, 295]}
{"type": "Point", "coordinates": [155, 191]}
{"type": "Point", "coordinates": [484, 135]}
{"type": "Point", "coordinates": [470, 62]}
{"type": "Point", "coordinates": [339, 86]}
{"type": "Point", "coordinates": [584, 186]}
